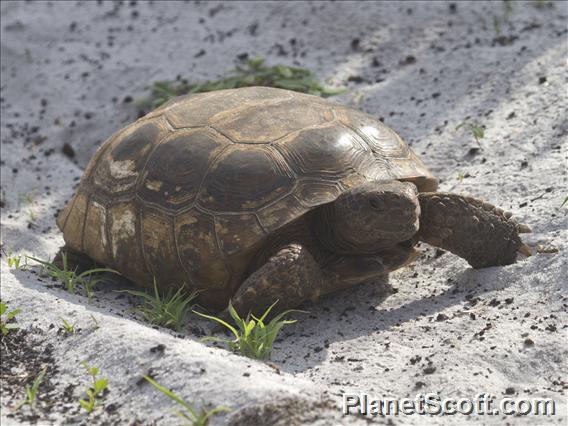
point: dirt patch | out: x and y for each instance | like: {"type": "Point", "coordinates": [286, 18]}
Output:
{"type": "Point", "coordinates": [25, 353]}
{"type": "Point", "coordinates": [292, 412]}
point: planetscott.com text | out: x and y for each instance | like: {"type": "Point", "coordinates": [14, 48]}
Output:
{"type": "Point", "coordinates": [434, 405]}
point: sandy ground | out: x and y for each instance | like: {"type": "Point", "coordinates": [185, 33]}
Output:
{"type": "Point", "coordinates": [70, 71]}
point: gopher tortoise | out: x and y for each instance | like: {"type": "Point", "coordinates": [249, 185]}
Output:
{"type": "Point", "coordinates": [259, 194]}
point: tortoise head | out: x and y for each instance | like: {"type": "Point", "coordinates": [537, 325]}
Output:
{"type": "Point", "coordinates": [370, 217]}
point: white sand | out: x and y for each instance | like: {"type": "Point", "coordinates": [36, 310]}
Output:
{"type": "Point", "coordinates": [471, 325]}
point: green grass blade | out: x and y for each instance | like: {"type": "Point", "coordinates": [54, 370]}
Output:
{"type": "Point", "coordinates": [38, 380]}
{"type": "Point", "coordinates": [220, 321]}
{"type": "Point", "coordinates": [96, 271]}
{"type": "Point", "coordinates": [171, 395]}
{"type": "Point", "coordinates": [13, 313]}
{"type": "Point", "coordinates": [261, 319]}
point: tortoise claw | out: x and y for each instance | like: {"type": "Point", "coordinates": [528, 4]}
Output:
{"type": "Point", "coordinates": [524, 250]}
{"type": "Point", "coordinates": [524, 229]}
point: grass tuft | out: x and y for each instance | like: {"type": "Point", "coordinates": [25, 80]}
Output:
{"type": "Point", "coordinates": [165, 309]}
{"type": "Point", "coordinates": [6, 317]}
{"type": "Point", "coordinates": [96, 325]}
{"type": "Point", "coordinates": [253, 338]}
{"type": "Point", "coordinates": [67, 327]}
{"type": "Point", "coordinates": [190, 414]}
{"type": "Point", "coordinates": [477, 131]}
{"type": "Point", "coordinates": [95, 390]}
{"type": "Point", "coordinates": [252, 72]}
{"type": "Point", "coordinates": [31, 392]}
{"type": "Point", "coordinates": [70, 278]}
{"type": "Point", "coordinates": [15, 261]}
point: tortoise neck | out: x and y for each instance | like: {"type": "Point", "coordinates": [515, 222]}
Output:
{"type": "Point", "coordinates": [328, 229]}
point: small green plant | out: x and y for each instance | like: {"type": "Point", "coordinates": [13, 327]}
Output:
{"type": "Point", "coordinates": [28, 197]}
{"type": "Point", "coordinates": [476, 130]}
{"type": "Point", "coordinates": [165, 309]}
{"type": "Point", "coordinates": [252, 72]}
{"type": "Point", "coordinates": [95, 390]}
{"type": "Point", "coordinates": [88, 287]}
{"type": "Point", "coordinates": [6, 317]}
{"type": "Point", "coordinates": [32, 217]}
{"type": "Point", "coordinates": [96, 325]}
{"type": "Point", "coordinates": [70, 278]}
{"type": "Point", "coordinates": [191, 415]}
{"type": "Point", "coordinates": [15, 261]}
{"type": "Point", "coordinates": [497, 24]}
{"type": "Point", "coordinates": [460, 177]}
{"type": "Point", "coordinates": [67, 326]}
{"type": "Point", "coordinates": [31, 392]}
{"type": "Point", "coordinates": [253, 338]}
{"type": "Point", "coordinates": [497, 20]}
{"type": "Point", "coordinates": [564, 202]}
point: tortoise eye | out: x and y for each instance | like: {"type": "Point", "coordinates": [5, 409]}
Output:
{"type": "Point", "coordinates": [377, 204]}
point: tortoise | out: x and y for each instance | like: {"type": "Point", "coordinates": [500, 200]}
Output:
{"type": "Point", "coordinates": [260, 194]}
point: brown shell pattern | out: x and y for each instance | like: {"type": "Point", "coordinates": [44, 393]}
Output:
{"type": "Point", "coordinates": [205, 177]}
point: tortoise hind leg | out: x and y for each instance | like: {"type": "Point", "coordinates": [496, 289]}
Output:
{"type": "Point", "coordinates": [477, 231]}
{"type": "Point", "coordinates": [291, 276]}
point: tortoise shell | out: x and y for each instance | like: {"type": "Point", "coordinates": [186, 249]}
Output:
{"type": "Point", "coordinates": [189, 192]}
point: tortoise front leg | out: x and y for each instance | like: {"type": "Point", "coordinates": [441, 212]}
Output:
{"type": "Point", "coordinates": [291, 276]}
{"type": "Point", "coordinates": [477, 231]}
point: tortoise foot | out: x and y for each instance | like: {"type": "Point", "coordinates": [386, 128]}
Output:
{"type": "Point", "coordinates": [291, 277]}
{"type": "Point", "coordinates": [477, 231]}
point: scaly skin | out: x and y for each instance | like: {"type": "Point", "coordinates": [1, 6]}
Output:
{"type": "Point", "coordinates": [292, 276]}
{"type": "Point", "coordinates": [477, 231]}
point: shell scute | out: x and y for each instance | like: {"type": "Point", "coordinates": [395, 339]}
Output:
{"type": "Point", "coordinates": [245, 178]}
{"type": "Point", "coordinates": [119, 166]}
{"type": "Point", "coordinates": [175, 169]}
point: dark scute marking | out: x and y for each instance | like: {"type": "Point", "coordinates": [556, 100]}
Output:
{"type": "Point", "coordinates": [159, 248]}
{"type": "Point", "coordinates": [196, 242]}
{"type": "Point", "coordinates": [176, 168]}
{"type": "Point", "coordinates": [117, 169]}
{"type": "Point", "coordinates": [244, 179]}
{"type": "Point", "coordinates": [137, 141]}
{"type": "Point", "coordinates": [237, 232]}
{"type": "Point", "coordinates": [330, 152]}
